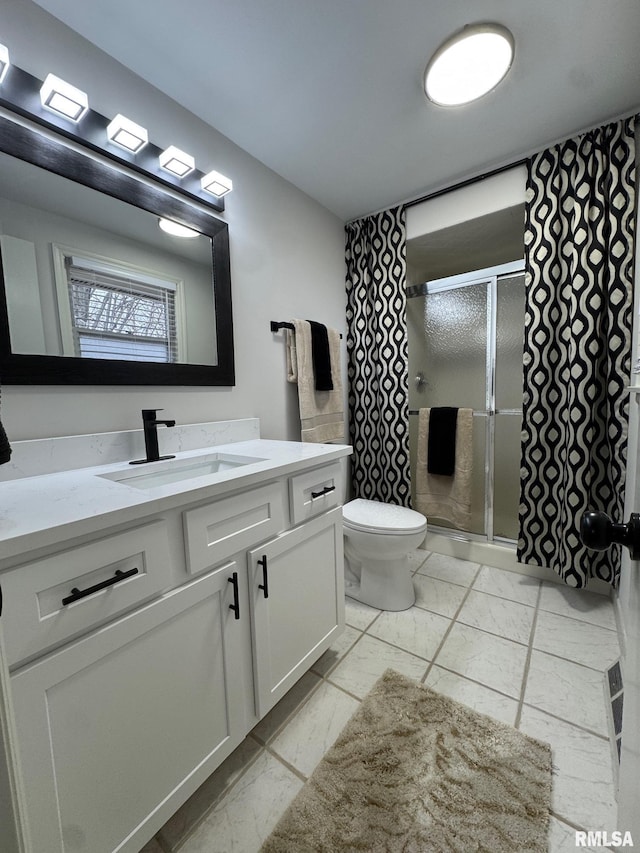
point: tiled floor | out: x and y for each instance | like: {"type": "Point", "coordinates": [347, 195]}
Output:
{"type": "Point", "coordinates": [529, 653]}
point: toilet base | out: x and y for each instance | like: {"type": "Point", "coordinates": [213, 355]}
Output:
{"type": "Point", "coordinates": [384, 584]}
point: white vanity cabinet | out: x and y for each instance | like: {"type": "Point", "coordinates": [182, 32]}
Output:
{"type": "Point", "coordinates": [297, 604]}
{"type": "Point", "coordinates": [178, 634]}
{"type": "Point", "coordinates": [110, 726]}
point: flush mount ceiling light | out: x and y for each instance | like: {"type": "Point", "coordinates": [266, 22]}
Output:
{"type": "Point", "coordinates": [127, 134]}
{"type": "Point", "coordinates": [4, 61]}
{"type": "Point", "coordinates": [176, 229]}
{"type": "Point", "coordinates": [63, 98]}
{"type": "Point", "coordinates": [469, 64]}
{"type": "Point", "coordinates": [217, 184]}
{"type": "Point", "coordinates": [177, 162]}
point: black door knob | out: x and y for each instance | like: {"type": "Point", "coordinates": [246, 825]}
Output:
{"type": "Point", "coordinates": [598, 532]}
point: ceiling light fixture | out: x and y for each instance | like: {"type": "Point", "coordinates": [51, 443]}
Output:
{"type": "Point", "coordinates": [217, 184]}
{"type": "Point", "coordinates": [63, 98]}
{"type": "Point", "coordinates": [4, 61]}
{"type": "Point", "coordinates": [469, 64]}
{"type": "Point", "coordinates": [127, 134]}
{"type": "Point", "coordinates": [176, 229]}
{"type": "Point", "coordinates": [174, 160]}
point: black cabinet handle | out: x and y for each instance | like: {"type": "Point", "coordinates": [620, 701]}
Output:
{"type": "Point", "coordinates": [77, 594]}
{"type": "Point", "coordinates": [265, 579]}
{"type": "Point", "coordinates": [236, 605]}
{"type": "Point", "coordinates": [325, 491]}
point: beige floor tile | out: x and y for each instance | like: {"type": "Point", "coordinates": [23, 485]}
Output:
{"type": "Point", "coordinates": [583, 786]}
{"type": "Point", "coordinates": [493, 661]}
{"type": "Point", "coordinates": [336, 651]}
{"type": "Point", "coordinates": [510, 585]}
{"type": "Point", "coordinates": [449, 569]}
{"type": "Point", "coordinates": [359, 615]}
{"type": "Point", "coordinates": [578, 604]}
{"type": "Point", "coordinates": [481, 699]}
{"type": "Point", "coordinates": [438, 596]}
{"type": "Point", "coordinates": [562, 839]}
{"type": "Point", "coordinates": [310, 733]}
{"type": "Point", "coordinates": [366, 662]}
{"type": "Point", "coordinates": [498, 616]}
{"type": "Point", "coordinates": [567, 690]}
{"type": "Point", "coordinates": [202, 801]}
{"type": "Point", "coordinates": [578, 641]}
{"type": "Point", "coordinates": [414, 630]}
{"type": "Point", "coordinates": [244, 818]}
{"type": "Point", "coordinates": [286, 707]}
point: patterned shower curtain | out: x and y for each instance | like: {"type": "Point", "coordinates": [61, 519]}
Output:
{"type": "Point", "coordinates": [579, 255]}
{"type": "Point", "coordinates": [377, 353]}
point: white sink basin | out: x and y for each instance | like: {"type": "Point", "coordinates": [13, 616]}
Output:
{"type": "Point", "coordinates": [179, 470]}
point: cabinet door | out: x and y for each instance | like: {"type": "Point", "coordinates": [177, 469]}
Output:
{"type": "Point", "coordinates": [301, 611]}
{"type": "Point", "coordinates": [118, 729]}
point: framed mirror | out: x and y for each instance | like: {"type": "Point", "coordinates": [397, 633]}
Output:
{"type": "Point", "coordinates": [92, 291]}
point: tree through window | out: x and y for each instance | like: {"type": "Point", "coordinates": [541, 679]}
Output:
{"type": "Point", "coordinates": [118, 316]}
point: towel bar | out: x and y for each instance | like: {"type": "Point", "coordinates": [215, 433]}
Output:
{"type": "Point", "coordinates": [275, 326]}
{"type": "Point", "coordinates": [475, 414]}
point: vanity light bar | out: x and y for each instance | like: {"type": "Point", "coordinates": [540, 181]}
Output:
{"type": "Point", "coordinates": [216, 184]}
{"type": "Point", "coordinates": [174, 160]}
{"type": "Point", "coordinates": [127, 134]}
{"type": "Point", "coordinates": [63, 98]}
{"type": "Point", "coordinates": [119, 139]}
{"type": "Point", "coordinates": [4, 61]}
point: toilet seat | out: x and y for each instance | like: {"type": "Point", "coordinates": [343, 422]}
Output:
{"type": "Point", "coordinates": [377, 517]}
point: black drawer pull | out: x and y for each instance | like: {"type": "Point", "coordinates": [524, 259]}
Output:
{"type": "Point", "coordinates": [325, 491]}
{"type": "Point", "coordinates": [236, 605]}
{"type": "Point", "coordinates": [265, 580]}
{"type": "Point", "coordinates": [77, 594]}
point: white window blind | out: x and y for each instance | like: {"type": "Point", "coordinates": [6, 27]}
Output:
{"type": "Point", "coordinates": [120, 316]}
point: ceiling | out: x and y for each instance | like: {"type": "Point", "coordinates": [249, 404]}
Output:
{"type": "Point", "coordinates": [329, 94]}
{"type": "Point", "coordinates": [476, 244]}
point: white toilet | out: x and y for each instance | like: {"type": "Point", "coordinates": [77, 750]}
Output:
{"type": "Point", "coordinates": [377, 540]}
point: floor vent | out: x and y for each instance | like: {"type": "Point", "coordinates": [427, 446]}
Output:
{"type": "Point", "coordinates": [615, 701]}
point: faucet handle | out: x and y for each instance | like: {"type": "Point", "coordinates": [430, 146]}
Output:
{"type": "Point", "coordinates": [150, 414]}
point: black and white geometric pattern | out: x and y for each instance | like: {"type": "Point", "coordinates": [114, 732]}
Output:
{"type": "Point", "coordinates": [377, 353]}
{"type": "Point", "coordinates": [579, 253]}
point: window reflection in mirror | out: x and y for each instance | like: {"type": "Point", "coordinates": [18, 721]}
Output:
{"type": "Point", "coordinates": [90, 276]}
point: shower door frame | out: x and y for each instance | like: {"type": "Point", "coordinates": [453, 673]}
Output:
{"type": "Point", "coordinates": [488, 276]}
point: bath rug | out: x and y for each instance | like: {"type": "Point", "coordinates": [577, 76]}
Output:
{"type": "Point", "coordinates": [414, 772]}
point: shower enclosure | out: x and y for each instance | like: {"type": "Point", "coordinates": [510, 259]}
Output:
{"type": "Point", "coordinates": [465, 350]}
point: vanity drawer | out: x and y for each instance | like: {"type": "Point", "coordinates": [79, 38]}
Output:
{"type": "Point", "coordinates": [314, 492]}
{"type": "Point", "coordinates": [49, 601]}
{"type": "Point", "coordinates": [218, 530]}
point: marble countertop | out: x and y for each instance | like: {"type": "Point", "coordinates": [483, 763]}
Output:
{"type": "Point", "coordinates": [42, 511]}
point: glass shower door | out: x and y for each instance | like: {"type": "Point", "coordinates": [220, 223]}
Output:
{"type": "Point", "coordinates": [508, 396]}
{"type": "Point", "coordinates": [465, 350]}
{"type": "Point", "coordinates": [448, 348]}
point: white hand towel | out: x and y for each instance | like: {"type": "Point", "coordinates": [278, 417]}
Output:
{"type": "Point", "coordinates": [321, 412]}
{"type": "Point", "coordinates": [438, 496]}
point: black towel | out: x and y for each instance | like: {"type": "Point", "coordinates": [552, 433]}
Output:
{"type": "Point", "coordinates": [320, 356]}
{"type": "Point", "coordinates": [5, 447]}
{"type": "Point", "coordinates": [441, 452]}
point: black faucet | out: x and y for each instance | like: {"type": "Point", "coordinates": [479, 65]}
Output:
{"type": "Point", "coordinates": [150, 426]}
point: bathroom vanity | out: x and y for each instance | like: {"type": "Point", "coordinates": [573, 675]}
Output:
{"type": "Point", "coordinates": [152, 617]}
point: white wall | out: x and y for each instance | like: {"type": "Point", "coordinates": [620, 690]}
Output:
{"type": "Point", "coordinates": [287, 255]}
{"type": "Point", "coordinates": [497, 192]}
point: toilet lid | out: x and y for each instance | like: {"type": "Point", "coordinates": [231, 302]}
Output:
{"type": "Point", "coordinates": [375, 516]}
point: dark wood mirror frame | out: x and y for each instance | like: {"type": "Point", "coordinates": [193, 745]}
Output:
{"type": "Point", "coordinates": [44, 150]}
